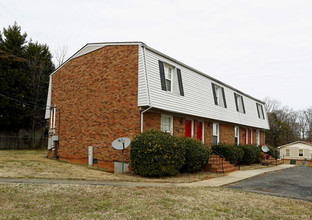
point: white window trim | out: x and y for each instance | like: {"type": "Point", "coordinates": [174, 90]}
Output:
{"type": "Point", "coordinates": [168, 66]}
{"type": "Point", "coordinates": [236, 135]}
{"type": "Point", "coordinates": [258, 137]}
{"type": "Point", "coordinates": [171, 124]}
{"type": "Point", "coordinates": [246, 135]}
{"type": "Point", "coordinates": [286, 152]}
{"type": "Point", "coordinates": [299, 152]}
{"type": "Point", "coordinates": [203, 132]}
{"type": "Point", "coordinates": [218, 132]}
{"type": "Point", "coordinates": [251, 138]}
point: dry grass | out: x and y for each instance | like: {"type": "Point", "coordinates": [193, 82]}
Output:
{"type": "Point", "coordinates": [34, 164]}
{"type": "Point", "coordinates": [254, 167]}
{"type": "Point", "coordinates": [22, 201]}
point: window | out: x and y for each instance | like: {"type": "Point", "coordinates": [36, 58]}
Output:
{"type": "Point", "coordinates": [240, 107]}
{"type": "Point", "coordinates": [215, 128]}
{"type": "Point", "coordinates": [170, 78]}
{"type": "Point", "coordinates": [260, 111]}
{"type": "Point", "coordinates": [287, 152]}
{"type": "Point", "coordinates": [300, 152]}
{"type": "Point", "coordinates": [236, 135]}
{"type": "Point", "coordinates": [258, 137]}
{"type": "Point", "coordinates": [219, 96]}
{"type": "Point", "coordinates": [167, 124]}
{"type": "Point", "coordinates": [246, 136]}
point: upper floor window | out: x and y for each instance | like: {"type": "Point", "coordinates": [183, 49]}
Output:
{"type": "Point", "coordinates": [236, 135]}
{"type": "Point", "coordinates": [167, 124]}
{"type": "Point", "coordinates": [215, 130]}
{"type": "Point", "coordinates": [170, 78]}
{"type": "Point", "coordinates": [218, 95]}
{"type": "Point", "coordinates": [260, 111]}
{"type": "Point", "coordinates": [239, 101]}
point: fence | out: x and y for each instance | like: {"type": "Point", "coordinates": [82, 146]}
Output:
{"type": "Point", "coordinates": [17, 143]}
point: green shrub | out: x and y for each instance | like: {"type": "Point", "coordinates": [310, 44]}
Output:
{"type": "Point", "coordinates": [273, 152]}
{"type": "Point", "coordinates": [154, 153]}
{"type": "Point", "coordinates": [196, 155]}
{"type": "Point", "coordinates": [232, 153]}
{"type": "Point", "coordinates": [252, 154]}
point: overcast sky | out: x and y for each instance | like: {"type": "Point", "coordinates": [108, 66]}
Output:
{"type": "Point", "coordinates": [261, 47]}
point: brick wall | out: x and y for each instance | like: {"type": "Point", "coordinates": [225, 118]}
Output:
{"type": "Point", "coordinates": [97, 97]}
{"type": "Point", "coordinates": [227, 133]}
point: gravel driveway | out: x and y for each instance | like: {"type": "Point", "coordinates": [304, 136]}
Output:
{"type": "Point", "coordinates": [294, 183]}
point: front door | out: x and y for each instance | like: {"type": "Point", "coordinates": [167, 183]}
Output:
{"type": "Point", "coordinates": [188, 128]}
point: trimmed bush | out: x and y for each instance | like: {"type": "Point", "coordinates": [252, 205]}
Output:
{"type": "Point", "coordinates": [154, 153]}
{"type": "Point", "coordinates": [252, 154]}
{"type": "Point", "coordinates": [196, 155]}
{"type": "Point", "coordinates": [232, 153]}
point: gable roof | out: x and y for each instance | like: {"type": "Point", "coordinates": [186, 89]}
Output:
{"type": "Point", "coordinates": [297, 142]}
{"type": "Point", "coordinates": [90, 47]}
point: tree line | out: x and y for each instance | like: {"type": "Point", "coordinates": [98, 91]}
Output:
{"type": "Point", "coordinates": [287, 125]}
{"type": "Point", "coordinates": [25, 67]}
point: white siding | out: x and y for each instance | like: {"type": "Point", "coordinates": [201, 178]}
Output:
{"type": "Point", "coordinates": [294, 151]}
{"type": "Point", "coordinates": [198, 97]}
{"type": "Point", "coordinates": [87, 49]}
{"type": "Point", "coordinates": [47, 113]}
{"type": "Point", "coordinates": [142, 88]}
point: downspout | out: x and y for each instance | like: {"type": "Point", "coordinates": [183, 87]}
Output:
{"type": "Point", "coordinates": [147, 87]}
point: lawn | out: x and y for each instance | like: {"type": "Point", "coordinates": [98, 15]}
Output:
{"type": "Point", "coordinates": [23, 201]}
{"type": "Point", "coordinates": [34, 164]}
{"type": "Point", "coordinates": [26, 201]}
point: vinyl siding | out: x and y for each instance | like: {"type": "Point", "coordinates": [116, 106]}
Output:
{"type": "Point", "coordinates": [198, 97]}
{"type": "Point", "coordinates": [142, 87]}
{"type": "Point", "coordinates": [47, 113]}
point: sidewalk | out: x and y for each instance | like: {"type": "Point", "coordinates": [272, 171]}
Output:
{"type": "Point", "coordinates": [236, 176]}
{"type": "Point", "coordinates": [218, 181]}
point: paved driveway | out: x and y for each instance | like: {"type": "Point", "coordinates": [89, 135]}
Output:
{"type": "Point", "coordinates": [293, 183]}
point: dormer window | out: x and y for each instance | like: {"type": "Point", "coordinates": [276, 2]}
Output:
{"type": "Point", "coordinates": [168, 76]}
{"type": "Point", "coordinates": [218, 95]}
{"type": "Point", "coordinates": [260, 111]}
{"type": "Point", "coordinates": [239, 101]}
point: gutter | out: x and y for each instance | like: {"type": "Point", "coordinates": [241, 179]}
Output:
{"type": "Point", "coordinates": [147, 87]}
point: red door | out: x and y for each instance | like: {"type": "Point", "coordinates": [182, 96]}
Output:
{"type": "Point", "coordinates": [199, 130]}
{"type": "Point", "coordinates": [246, 136]}
{"type": "Point", "coordinates": [188, 128]}
{"type": "Point", "coordinates": [249, 137]}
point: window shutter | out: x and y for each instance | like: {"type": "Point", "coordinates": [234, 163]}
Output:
{"type": "Point", "coordinates": [243, 105]}
{"type": "Point", "coordinates": [214, 93]}
{"type": "Point", "coordinates": [162, 75]}
{"type": "Point", "coordinates": [180, 82]}
{"type": "Point", "coordinates": [235, 98]}
{"type": "Point", "coordinates": [224, 101]}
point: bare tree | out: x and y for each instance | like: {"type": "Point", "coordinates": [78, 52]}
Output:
{"type": "Point", "coordinates": [271, 105]}
{"type": "Point", "coordinates": [60, 55]}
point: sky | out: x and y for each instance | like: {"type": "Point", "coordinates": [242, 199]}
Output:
{"type": "Point", "coordinates": [261, 47]}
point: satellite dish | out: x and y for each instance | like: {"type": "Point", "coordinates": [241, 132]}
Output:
{"type": "Point", "coordinates": [265, 149]}
{"type": "Point", "coordinates": [121, 143]}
